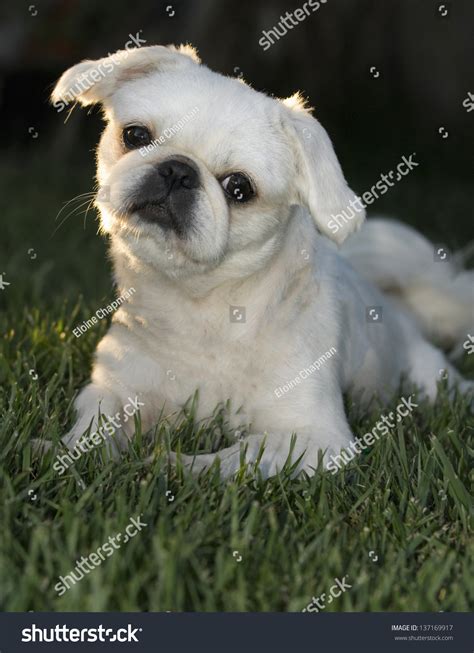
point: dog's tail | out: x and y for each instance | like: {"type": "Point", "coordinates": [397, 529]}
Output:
{"type": "Point", "coordinates": [427, 279]}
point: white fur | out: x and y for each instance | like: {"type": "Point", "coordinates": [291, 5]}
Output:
{"type": "Point", "coordinates": [401, 262]}
{"type": "Point", "coordinates": [174, 335]}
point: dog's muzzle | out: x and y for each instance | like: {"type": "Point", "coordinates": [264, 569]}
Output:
{"type": "Point", "coordinates": [167, 195]}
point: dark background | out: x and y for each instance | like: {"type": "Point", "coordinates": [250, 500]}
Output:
{"type": "Point", "coordinates": [425, 72]}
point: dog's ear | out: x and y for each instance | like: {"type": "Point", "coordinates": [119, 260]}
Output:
{"type": "Point", "coordinates": [320, 185]}
{"type": "Point", "coordinates": [92, 81]}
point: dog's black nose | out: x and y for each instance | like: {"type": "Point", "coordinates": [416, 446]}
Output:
{"type": "Point", "coordinates": [166, 195]}
{"type": "Point", "coordinates": [178, 174]}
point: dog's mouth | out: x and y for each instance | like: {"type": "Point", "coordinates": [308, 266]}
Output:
{"type": "Point", "coordinates": [152, 211]}
{"type": "Point", "coordinates": [164, 213]}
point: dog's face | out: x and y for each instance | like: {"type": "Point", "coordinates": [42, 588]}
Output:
{"type": "Point", "coordinates": [198, 171]}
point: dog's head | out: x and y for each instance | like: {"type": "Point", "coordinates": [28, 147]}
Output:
{"type": "Point", "coordinates": [197, 170]}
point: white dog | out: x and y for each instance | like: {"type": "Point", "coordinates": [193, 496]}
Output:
{"type": "Point", "coordinates": [212, 195]}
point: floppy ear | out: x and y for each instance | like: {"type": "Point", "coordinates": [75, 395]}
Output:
{"type": "Point", "coordinates": [91, 81]}
{"type": "Point", "coordinates": [320, 186]}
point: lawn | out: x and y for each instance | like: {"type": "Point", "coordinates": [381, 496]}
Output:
{"type": "Point", "coordinates": [394, 523]}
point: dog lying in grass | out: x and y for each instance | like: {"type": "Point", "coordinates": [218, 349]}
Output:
{"type": "Point", "coordinates": [224, 209]}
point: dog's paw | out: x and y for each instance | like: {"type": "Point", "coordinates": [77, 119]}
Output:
{"type": "Point", "coordinates": [41, 447]}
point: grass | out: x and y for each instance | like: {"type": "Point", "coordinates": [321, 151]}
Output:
{"type": "Point", "coordinates": [250, 544]}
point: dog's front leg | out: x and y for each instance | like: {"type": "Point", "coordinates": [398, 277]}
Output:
{"type": "Point", "coordinates": [98, 412]}
{"type": "Point", "coordinates": [271, 451]}
{"type": "Point", "coordinates": [274, 450]}
{"type": "Point", "coordinates": [327, 432]}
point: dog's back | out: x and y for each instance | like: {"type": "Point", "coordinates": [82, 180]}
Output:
{"type": "Point", "coordinates": [425, 279]}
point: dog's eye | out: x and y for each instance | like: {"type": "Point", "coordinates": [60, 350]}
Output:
{"type": "Point", "coordinates": [136, 136]}
{"type": "Point", "coordinates": [238, 187]}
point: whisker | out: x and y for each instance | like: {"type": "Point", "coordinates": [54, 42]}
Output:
{"type": "Point", "coordinates": [89, 206]}
{"type": "Point", "coordinates": [81, 196]}
{"type": "Point", "coordinates": [76, 208]}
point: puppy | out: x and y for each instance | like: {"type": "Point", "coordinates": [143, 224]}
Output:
{"type": "Point", "coordinates": [217, 201]}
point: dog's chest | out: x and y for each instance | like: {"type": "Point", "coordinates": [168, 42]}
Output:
{"type": "Point", "coordinates": [238, 365]}
{"type": "Point", "coordinates": [227, 359]}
